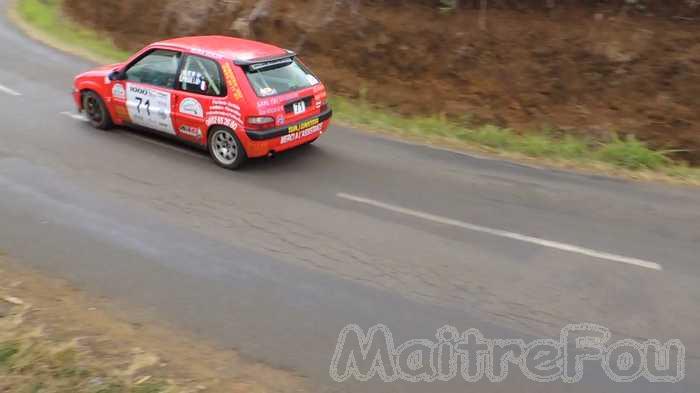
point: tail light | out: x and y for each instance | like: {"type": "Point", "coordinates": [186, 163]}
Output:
{"type": "Point", "coordinates": [259, 122]}
{"type": "Point", "coordinates": [324, 105]}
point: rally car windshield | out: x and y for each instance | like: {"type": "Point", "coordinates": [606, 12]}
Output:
{"type": "Point", "coordinates": [279, 77]}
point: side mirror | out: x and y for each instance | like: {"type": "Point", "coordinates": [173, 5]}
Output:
{"type": "Point", "coordinates": [116, 75]}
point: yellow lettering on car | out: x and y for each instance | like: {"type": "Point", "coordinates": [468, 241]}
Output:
{"type": "Point", "coordinates": [303, 126]}
{"type": "Point", "coordinates": [231, 82]}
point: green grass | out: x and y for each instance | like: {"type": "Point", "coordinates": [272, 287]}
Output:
{"type": "Point", "coordinates": [533, 144]}
{"type": "Point", "coordinates": [7, 351]}
{"type": "Point", "coordinates": [46, 16]}
{"type": "Point", "coordinates": [627, 153]}
{"type": "Point", "coordinates": [34, 365]}
{"type": "Point", "coordinates": [632, 154]}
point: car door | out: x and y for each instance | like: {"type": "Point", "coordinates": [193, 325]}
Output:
{"type": "Point", "coordinates": [200, 88]}
{"type": "Point", "coordinates": [150, 83]}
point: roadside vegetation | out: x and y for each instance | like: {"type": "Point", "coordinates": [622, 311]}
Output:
{"type": "Point", "coordinates": [625, 156]}
{"type": "Point", "coordinates": [32, 360]}
{"type": "Point", "coordinates": [48, 24]}
{"type": "Point", "coordinates": [56, 339]}
{"type": "Point", "coordinates": [32, 365]}
{"type": "Point", "coordinates": [619, 155]}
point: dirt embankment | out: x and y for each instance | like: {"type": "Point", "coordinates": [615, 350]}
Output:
{"type": "Point", "coordinates": [582, 70]}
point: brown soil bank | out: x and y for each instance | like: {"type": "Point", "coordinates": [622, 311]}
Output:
{"type": "Point", "coordinates": [585, 69]}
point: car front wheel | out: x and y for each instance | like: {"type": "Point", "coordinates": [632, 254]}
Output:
{"type": "Point", "coordinates": [225, 148]}
{"type": "Point", "coordinates": [96, 111]}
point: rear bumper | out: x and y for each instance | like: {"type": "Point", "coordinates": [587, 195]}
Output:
{"type": "Point", "coordinates": [290, 129]}
{"type": "Point", "coordinates": [278, 144]}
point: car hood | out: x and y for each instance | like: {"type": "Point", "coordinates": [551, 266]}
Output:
{"type": "Point", "coordinates": [101, 70]}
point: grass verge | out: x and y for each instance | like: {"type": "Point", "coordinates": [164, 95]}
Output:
{"type": "Point", "coordinates": [626, 157]}
{"type": "Point", "coordinates": [43, 20]}
{"type": "Point", "coordinates": [33, 361]}
{"type": "Point", "coordinates": [33, 365]}
{"type": "Point", "coordinates": [57, 339]}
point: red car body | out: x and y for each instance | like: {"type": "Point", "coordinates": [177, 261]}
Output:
{"type": "Point", "coordinates": [186, 107]}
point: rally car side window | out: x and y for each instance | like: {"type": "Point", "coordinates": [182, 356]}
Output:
{"type": "Point", "coordinates": [158, 68]}
{"type": "Point", "coordinates": [201, 76]}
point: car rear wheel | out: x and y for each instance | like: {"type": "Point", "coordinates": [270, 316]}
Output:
{"type": "Point", "coordinates": [96, 111]}
{"type": "Point", "coordinates": [225, 148]}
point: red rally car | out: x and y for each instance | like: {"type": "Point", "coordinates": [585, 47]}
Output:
{"type": "Point", "coordinates": [240, 99]}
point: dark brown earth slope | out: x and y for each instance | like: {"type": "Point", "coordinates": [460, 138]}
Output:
{"type": "Point", "coordinates": [588, 70]}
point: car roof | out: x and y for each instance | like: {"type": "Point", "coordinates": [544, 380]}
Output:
{"type": "Point", "coordinates": [227, 47]}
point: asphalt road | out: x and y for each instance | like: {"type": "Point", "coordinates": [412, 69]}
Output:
{"type": "Point", "coordinates": [276, 259]}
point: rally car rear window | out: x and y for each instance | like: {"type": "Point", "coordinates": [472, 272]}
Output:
{"type": "Point", "coordinates": [279, 77]}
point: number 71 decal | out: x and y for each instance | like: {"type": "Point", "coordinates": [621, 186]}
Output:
{"type": "Point", "coordinates": [147, 104]}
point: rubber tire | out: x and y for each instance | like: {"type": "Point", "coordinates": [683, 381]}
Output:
{"type": "Point", "coordinates": [240, 159]}
{"type": "Point", "coordinates": [106, 122]}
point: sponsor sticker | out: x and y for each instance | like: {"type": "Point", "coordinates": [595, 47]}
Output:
{"type": "Point", "coordinates": [222, 112]}
{"type": "Point", "coordinates": [222, 121]}
{"type": "Point", "coordinates": [191, 77]}
{"type": "Point", "coordinates": [121, 112]}
{"type": "Point", "coordinates": [279, 100]}
{"type": "Point", "coordinates": [192, 107]}
{"type": "Point", "coordinates": [311, 79]}
{"type": "Point", "coordinates": [149, 107]}
{"type": "Point", "coordinates": [225, 106]}
{"type": "Point", "coordinates": [207, 53]}
{"type": "Point", "coordinates": [267, 91]}
{"type": "Point", "coordinates": [118, 91]}
{"type": "Point", "coordinates": [231, 82]}
{"type": "Point", "coordinates": [269, 64]}
{"type": "Point", "coordinates": [191, 131]}
{"type": "Point", "coordinates": [302, 134]}
{"type": "Point", "coordinates": [304, 125]}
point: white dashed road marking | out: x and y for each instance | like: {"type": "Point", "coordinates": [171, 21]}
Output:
{"type": "Point", "coordinates": [75, 116]}
{"type": "Point", "coordinates": [7, 90]}
{"type": "Point", "coordinates": [504, 234]}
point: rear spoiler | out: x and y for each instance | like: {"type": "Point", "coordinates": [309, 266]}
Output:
{"type": "Point", "coordinates": [269, 59]}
